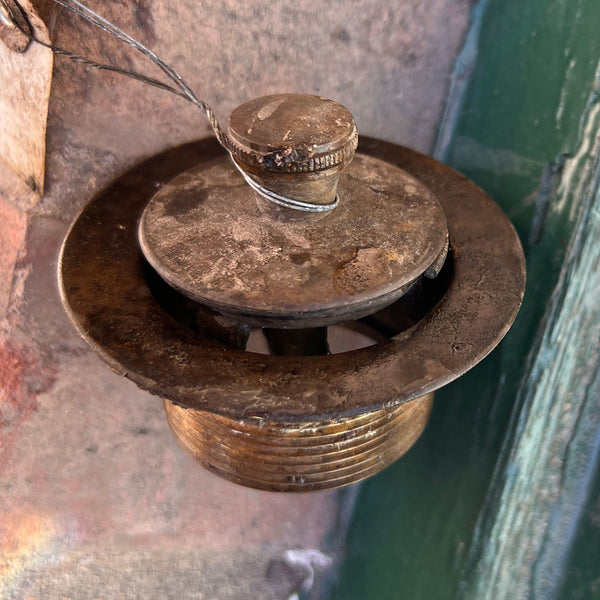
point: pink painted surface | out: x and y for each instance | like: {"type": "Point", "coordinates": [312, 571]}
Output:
{"type": "Point", "coordinates": [96, 498]}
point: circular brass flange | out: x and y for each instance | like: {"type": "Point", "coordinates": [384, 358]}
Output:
{"type": "Point", "coordinates": [107, 296]}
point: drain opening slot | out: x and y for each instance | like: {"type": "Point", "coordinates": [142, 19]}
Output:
{"type": "Point", "coordinates": [345, 336]}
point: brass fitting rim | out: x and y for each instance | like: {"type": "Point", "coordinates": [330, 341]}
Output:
{"type": "Point", "coordinates": [106, 294]}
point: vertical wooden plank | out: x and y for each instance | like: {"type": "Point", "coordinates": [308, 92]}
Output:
{"type": "Point", "coordinates": [536, 502]}
{"type": "Point", "coordinates": [25, 92]}
{"type": "Point", "coordinates": [523, 128]}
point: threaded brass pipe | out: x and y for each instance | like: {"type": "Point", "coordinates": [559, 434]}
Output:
{"type": "Point", "coordinates": [300, 455]}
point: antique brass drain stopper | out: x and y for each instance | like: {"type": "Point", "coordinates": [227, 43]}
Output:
{"type": "Point", "coordinates": [223, 286]}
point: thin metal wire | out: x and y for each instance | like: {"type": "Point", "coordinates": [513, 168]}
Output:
{"type": "Point", "coordinates": [89, 15]}
{"type": "Point", "coordinates": [106, 67]}
{"type": "Point", "coordinates": [180, 88]}
{"type": "Point", "coordinates": [284, 200]}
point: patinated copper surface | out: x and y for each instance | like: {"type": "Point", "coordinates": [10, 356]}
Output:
{"type": "Point", "coordinates": [108, 299]}
{"type": "Point", "coordinates": [207, 233]}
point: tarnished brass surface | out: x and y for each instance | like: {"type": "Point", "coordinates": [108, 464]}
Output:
{"type": "Point", "coordinates": [292, 133]}
{"type": "Point", "coordinates": [299, 456]}
{"type": "Point", "coordinates": [300, 422]}
{"type": "Point", "coordinates": [207, 235]}
{"type": "Point", "coordinates": [107, 296]}
{"type": "Point", "coordinates": [294, 144]}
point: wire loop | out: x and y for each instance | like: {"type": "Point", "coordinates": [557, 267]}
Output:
{"type": "Point", "coordinates": [178, 86]}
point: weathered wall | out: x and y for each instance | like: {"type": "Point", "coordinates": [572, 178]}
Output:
{"type": "Point", "coordinates": [96, 497]}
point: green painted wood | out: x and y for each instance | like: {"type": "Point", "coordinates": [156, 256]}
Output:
{"type": "Point", "coordinates": [537, 501]}
{"type": "Point", "coordinates": [496, 499]}
{"type": "Point", "coordinates": [581, 576]}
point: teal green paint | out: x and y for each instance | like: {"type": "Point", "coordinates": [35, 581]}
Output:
{"type": "Point", "coordinates": [421, 526]}
{"type": "Point", "coordinates": [528, 93]}
{"type": "Point", "coordinates": [551, 458]}
{"type": "Point", "coordinates": [582, 576]}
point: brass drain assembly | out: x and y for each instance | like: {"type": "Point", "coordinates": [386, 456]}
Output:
{"type": "Point", "coordinates": [295, 304]}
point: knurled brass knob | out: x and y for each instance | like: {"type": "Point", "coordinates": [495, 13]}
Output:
{"type": "Point", "coordinates": [294, 144]}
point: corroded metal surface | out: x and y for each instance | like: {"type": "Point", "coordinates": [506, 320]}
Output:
{"type": "Point", "coordinates": [108, 299]}
{"type": "Point", "coordinates": [294, 145]}
{"type": "Point", "coordinates": [209, 236]}
{"type": "Point", "coordinates": [292, 133]}
{"type": "Point", "coordinates": [299, 456]}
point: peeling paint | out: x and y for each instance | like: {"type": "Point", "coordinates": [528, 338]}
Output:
{"type": "Point", "coordinates": [556, 443]}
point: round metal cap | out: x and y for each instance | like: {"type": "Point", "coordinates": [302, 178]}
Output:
{"type": "Point", "coordinates": [292, 133]}
{"type": "Point", "coordinates": [206, 235]}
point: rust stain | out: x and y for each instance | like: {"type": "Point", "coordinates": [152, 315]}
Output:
{"type": "Point", "coordinates": [23, 376]}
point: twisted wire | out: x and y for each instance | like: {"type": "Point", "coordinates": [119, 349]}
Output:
{"type": "Point", "coordinates": [89, 15]}
{"type": "Point", "coordinates": [179, 87]}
